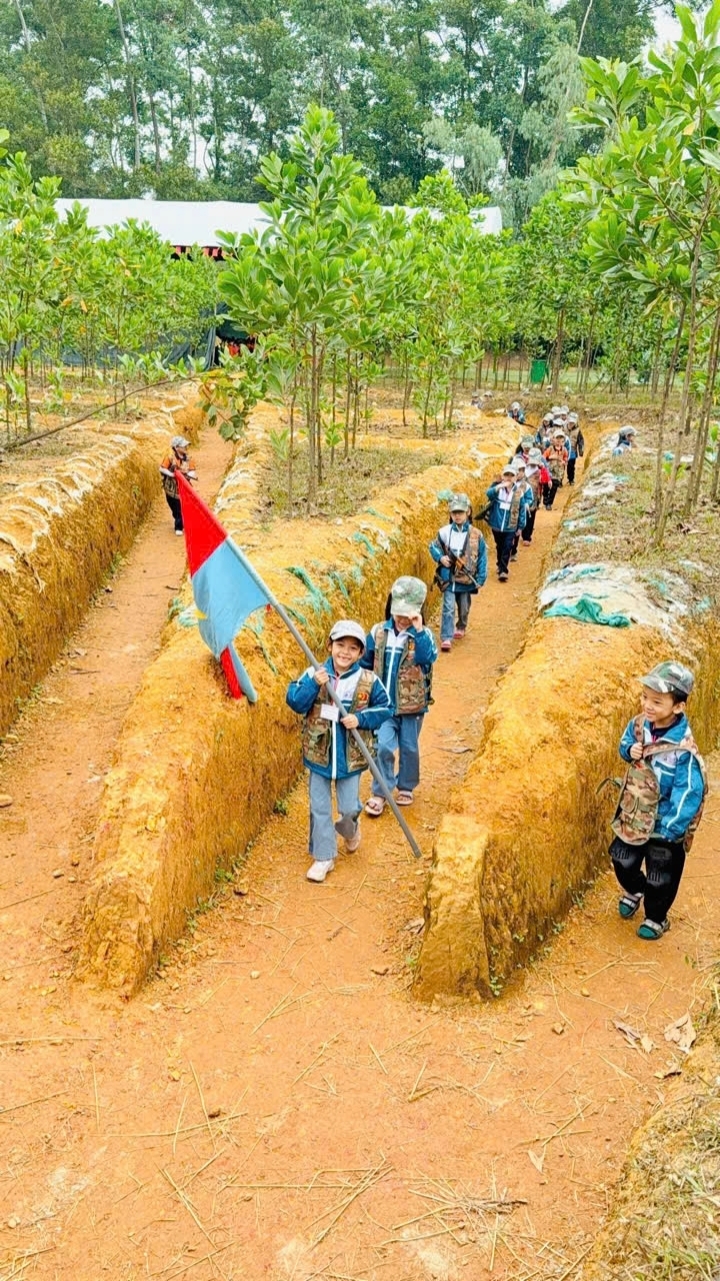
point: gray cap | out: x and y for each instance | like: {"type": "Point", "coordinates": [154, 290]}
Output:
{"type": "Point", "coordinates": [535, 456]}
{"type": "Point", "coordinates": [526, 440]}
{"type": "Point", "coordinates": [669, 678]}
{"type": "Point", "coordinates": [346, 627]}
{"type": "Point", "coordinates": [179, 442]}
{"type": "Point", "coordinates": [407, 595]}
{"type": "Point", "coordinates": [515, 404]}
{"type": "Point", "coordinates": [510, 469]}
{"type": "Point", "coordinates": [573, 418]}
{"type": "Point", "coordinates": [459, 503]}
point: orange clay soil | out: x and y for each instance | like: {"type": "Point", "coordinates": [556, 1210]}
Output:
{"type": "Point", "coordinates": [274, 1105]}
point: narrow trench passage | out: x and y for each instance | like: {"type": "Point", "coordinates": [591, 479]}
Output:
{"type": "Point", "coordinates": [66, 737]}
{"type": "Point", "coordinates": [274, 1104]}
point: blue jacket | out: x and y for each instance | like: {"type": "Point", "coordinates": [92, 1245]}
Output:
{"type": "Point", "coordinates": [437, 551]}
{"type": "Point", "coordinates": [681, 781]}
{"type": "Point", "coordinates": [425, 655]}
{"type": "Point", "coordinates": [302, 694]}
{"type": "Point", "coordinates": [500, 518]}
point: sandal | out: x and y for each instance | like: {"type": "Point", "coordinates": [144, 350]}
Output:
{"type": "Point", "coordinates": [651, 929]}
{"type": "Point", "coordinates": [404, 798]}
{"type": "Point", "coordinates": [628, 905]}
{"type": "Point", "coordinates": [374, 806]}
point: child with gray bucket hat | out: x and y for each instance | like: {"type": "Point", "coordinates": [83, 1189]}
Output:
{"type": "Point", "coordinates": [401, 651]}
{"type": "Point", "coordinates": [329, 751]}
{"type": "Point", "coordinates": [661, 799]}
{"type": "Point", "coordinates": [460, 554]}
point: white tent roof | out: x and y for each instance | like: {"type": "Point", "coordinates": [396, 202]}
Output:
{"type": "Point", "coordinates": [197, 222]}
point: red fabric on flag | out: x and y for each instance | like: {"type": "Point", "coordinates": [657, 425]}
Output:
{"type": "Point", "coordinates": [230, 674]}
{"type": "Point", "coordinates": [203, 533]}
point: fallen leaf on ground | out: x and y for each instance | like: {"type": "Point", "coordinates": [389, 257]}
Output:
{"type": "Point", "coordinates": [558, 1028]}
{"type": "Point", "coordinates": [631, 1034]}
{"type": "Point", "coordinates": [682, 1033]}
{"type": "Point", "coordinates": [5, 800]}
{"type": "Point", "coordinates": [414, 927]}
{"type": "Point", "coordinates": [381, 970]}
{"type": "Point", "coordinates": [538, 1161]}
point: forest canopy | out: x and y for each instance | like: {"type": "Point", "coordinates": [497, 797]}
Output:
{"type": "Point", "coordinates": [178, 99]}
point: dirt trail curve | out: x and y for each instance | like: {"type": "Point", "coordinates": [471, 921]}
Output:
{"type": "Point", "coordinates": [274, 1105]}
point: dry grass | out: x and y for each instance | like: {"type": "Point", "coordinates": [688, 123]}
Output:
{"type": "Point", "coordinates": [347, 484]}
{"type": "Point", "coordinates": [665, 1223]}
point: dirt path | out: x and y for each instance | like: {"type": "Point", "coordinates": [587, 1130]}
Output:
{"type": "Point", "coordinates": [275, 1105]}
{"type": "Point", "coordinates": [65, 739]}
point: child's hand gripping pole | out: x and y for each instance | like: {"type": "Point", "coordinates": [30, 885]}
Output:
{"type": "Point", "coordinates": [282, 612]}
{"type": "Point", "coordinates": [371, 765]}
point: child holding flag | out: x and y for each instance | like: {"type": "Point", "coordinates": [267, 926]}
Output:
{"type": "Point", "coordinates": [330, 752]}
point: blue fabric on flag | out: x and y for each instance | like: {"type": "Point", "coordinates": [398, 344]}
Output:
{"type": "Point", "coordinates": [225, 595]}
{"type": "Point", "coordinates": [244, 681]}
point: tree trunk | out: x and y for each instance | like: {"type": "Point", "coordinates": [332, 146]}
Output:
{"type": "Point", "coordinates": [131, 83]}
{"type": "Point", "coordinates": [560, 339]}
{"type": "Point", "coordinates": [348, 400]}
{"type": "Point", "coordinates": [28, 49]}
{"type": "Point", "coordinates": [683, 421]}
{"type": "Point", "coordinates": [703, 427]}
{"type": "Point", "coordinates": [669, 379]}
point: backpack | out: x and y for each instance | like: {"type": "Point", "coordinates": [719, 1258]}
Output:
{"type": "Point", "coordinates": [637, 809]}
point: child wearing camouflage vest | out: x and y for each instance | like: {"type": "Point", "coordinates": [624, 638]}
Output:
{"type": "Point", "coordinates": [661, 799]}
{"type": "Point", "coordinates": [329, 751]}
{"type": "Point", "coordinates": [460, 554]}
{"type": "Point", "coordinates": [401, 652]}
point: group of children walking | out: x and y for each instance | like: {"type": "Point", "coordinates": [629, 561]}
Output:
{"type": "Point", "coordinates": [383, 680]}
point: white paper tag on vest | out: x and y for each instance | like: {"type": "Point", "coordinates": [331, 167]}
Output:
{"type": "Point", "coordinates": [329, 712]}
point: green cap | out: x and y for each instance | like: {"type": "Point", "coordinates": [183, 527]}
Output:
{"type": "Point", "coordinates": [459, 503]}
{"type": "Point", "coordinates": [669, 678]}
{"type": "Point", "coordinates": [407, 596]}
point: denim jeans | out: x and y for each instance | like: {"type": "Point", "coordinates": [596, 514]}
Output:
{"type": "Point", "coordinates": [400, 734]}
{"type": "Point", "coordinates": [447, 621]}
{"type": "Point", "coordinates": [323, 837]}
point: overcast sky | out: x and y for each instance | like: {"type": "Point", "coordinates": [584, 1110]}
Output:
{"type": "Point", "coordinates": [666, 26]}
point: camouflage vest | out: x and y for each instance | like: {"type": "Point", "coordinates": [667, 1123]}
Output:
{"type": "Point", "coordinates": [464, 573]}
{"type": "Point", "coordinates": [637, 810]}
{"type": "Point", "coordinates": [555, 459]}
{"type": "Point", "coordinates": [534, 482]}
{"type": "Point", "coordinates": [413, 686]}
{"type": "Point", "coordinates": [317, 732]}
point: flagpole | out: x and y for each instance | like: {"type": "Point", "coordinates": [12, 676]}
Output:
{"type": "Point", "coordinates": [280, 609]}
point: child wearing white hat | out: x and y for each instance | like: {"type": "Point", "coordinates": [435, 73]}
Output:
{"type": "Point", "coordinates": [330, 752]}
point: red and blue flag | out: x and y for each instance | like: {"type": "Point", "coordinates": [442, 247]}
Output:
{"type": "Point", "coordinates": [225, 588]}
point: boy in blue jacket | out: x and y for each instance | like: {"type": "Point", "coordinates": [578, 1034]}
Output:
{"type": "Point", "coordinates": [330, 753]}
{"type": "Point", "coordinates": [509, 503]}
{"type": "Point", "coordinates": [460, 553]}
{"type": "Point", "coordinates": [662, 738]}
{"type": "Point", "coordinates": [401, 652]}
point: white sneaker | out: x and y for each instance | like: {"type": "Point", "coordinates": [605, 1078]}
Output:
{"type": "Point", "coordinates": [352, 844]}
{"type": "Point", "coordinates": [319, 870]}
{"type": "Point", "coordinates": [179, 533]}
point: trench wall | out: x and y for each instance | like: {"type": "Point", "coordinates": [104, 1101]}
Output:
{"type": "Point", "coordinates": [195, 774]}
{"type": "Point", "coordinates": [60, 533]}
{"type": "Point", "coordinates": [526, 831]}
